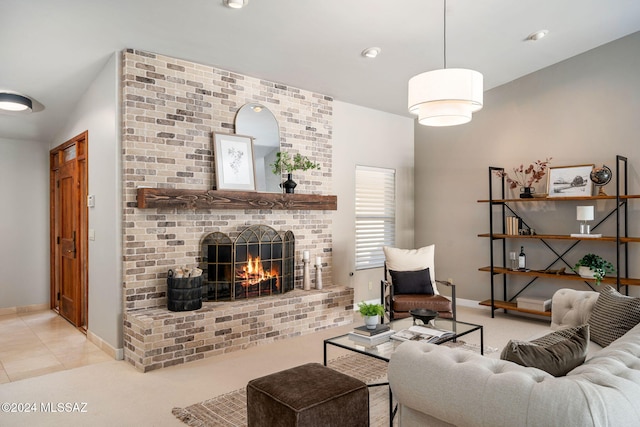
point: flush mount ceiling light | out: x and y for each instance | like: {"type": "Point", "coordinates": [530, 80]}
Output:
{"type": "Point", "coordinates": [445, 97]}
{"type": "Point", "coordinates": [235, 4]}
{"type": "Point", "coordinates": [371, 52]}
{"type": "Point", "coordinates": [14, 102]}
{"type": "Point", "coordinates": [537, 35]}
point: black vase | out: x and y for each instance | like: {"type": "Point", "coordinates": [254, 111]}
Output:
{"type": "Point", "coordinates": [289, 185]}
{"type": "Point", "coordinates": [526, 192]}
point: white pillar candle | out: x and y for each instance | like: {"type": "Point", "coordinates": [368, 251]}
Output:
{"type": "Point", "coordinates": [305, 255]}
{"type": "Point", "coordinates": [318, 261]}
{"type": "Point", "coordinates": [585, 213]}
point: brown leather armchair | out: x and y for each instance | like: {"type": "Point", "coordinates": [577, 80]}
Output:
{"type": "Point", "coordinates": [414, 286]}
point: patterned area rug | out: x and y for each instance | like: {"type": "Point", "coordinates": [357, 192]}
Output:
{"type": "Point", "coordinates": [229, 410]}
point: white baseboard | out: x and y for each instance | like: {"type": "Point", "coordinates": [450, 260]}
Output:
{"type": "Point", "coordinates": [24, 309]}
{"type": "Point", "coordinates": [116, 353]}
{"type": "Point", "coordinates": [470, 303]}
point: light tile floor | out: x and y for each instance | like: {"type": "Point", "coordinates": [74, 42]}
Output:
{"type": "Point", "coordinates": [38, 343]}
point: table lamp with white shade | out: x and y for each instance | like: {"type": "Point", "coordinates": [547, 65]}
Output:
{"type": "Point", "coordinates": [585, 214]}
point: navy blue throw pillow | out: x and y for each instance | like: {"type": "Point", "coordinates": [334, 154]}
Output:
{"type": "Point", "coordinates": [412, 282]}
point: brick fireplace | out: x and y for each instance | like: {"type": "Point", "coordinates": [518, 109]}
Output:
{"type": "Point", "coordinates": [170, 109]}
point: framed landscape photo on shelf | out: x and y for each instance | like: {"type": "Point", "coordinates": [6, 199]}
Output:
{"type": "Point", "coordinates": [234, 164]}
{"type": "Point", "coordinates": [570, 181]}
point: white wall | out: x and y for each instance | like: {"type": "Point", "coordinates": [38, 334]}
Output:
{"type": "Point", "coordinates": [24, 223]}
{"type": "Point", "coordinates": [98, 112]}
{"type": "Point", "coordinates": [362, 136]}
{"type": "Point", "coordinates": [580, 111]}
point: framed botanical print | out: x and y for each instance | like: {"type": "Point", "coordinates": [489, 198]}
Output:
{"type": "Point", "coordinates": [233, 156]}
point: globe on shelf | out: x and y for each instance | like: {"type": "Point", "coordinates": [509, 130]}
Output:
{"type": "Point", "coordinates": [601, 177]}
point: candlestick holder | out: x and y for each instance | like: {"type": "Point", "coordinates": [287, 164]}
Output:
{"type": "Point", "coordinates": [306, 275]}
{"type": "Point", "coordinates": [318, 276]}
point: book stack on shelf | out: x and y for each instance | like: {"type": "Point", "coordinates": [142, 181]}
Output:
{"type": "Point", "coordinates": [421, 333]}
{"type": "Point", "coordinates": [371, 337]}
{"type": "Point", "coordinates": [513, 225]}
{"type": "Point", "coordinates": [537, 304]}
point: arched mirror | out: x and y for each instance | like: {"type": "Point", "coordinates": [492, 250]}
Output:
{"type": "Point", "coordinates": [257, 121]}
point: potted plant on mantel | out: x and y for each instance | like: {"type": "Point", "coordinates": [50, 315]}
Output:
{"type": "Point", "coordinates": [593, 266]}
{"type": "Point", "coordinates": [284, 162]}
{"type": "Point", "coordinates": [371, 313]}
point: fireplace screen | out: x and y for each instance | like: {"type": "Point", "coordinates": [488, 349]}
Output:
{"type": "Point", "coordinates": [259, 263]}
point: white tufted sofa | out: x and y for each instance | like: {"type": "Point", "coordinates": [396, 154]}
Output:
{"type": "Point", "coordinates": [440, 386]}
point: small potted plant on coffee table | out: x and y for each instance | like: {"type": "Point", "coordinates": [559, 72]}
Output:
{"type": "Point", "coordinates": [593, 266]}
{"type": "Point", "coordinates": [371, 313]}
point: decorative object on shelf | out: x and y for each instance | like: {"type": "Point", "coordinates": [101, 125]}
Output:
{"type": "Point", "coordinates": [593, 266]}
{"type": "Point", "coordinates": [445, 97]}
{"type": "Point", "coordinates": [584, 214]}
{"type": "Point", "coordinates": [285, 163]}
{"type": "Point", "coordinates": [513, 257]}
{"type": "Point", "coordinates": [522, 260]}
{"type": "Point", "coordinates": [525, 177]}
{"type": "Point", "coordinates": [527, 192]}
{"type": "Point", "coordinates": [513, 225]}
{"type": "Point", "coordinates": [318, 273]}
{"type": "Point", "coordinates": [371, 313]}
{"type": "Point", "coordinates": [306, 275]}
{"type": "Point", "coordinates": [234, 162]}
{"type": "Point", "coordinates": [601, 177]}
{"type": "Point", "coordinates": [567, 181]}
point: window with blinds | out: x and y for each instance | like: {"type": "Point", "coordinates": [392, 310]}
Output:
{"type": "Point", "coordinates": [375, 215]}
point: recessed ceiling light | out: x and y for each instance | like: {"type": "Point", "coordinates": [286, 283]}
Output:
{"type": "Point", "coordinates": [14, 102]}
{"type": "Point", "coordinates": [537, 35]}
{"type": "Point", "coordinates": [371, 52]}
{"type": "Point", "coordinates": [235, 4]}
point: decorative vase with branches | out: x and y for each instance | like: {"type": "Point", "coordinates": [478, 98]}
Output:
{"type": "Point", "coordinates": [526, 177]}
{"type": "Point", "coordinates": [286, 163]}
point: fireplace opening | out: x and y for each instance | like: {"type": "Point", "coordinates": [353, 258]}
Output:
{"type": "Point", "coordinates": [260, 262]}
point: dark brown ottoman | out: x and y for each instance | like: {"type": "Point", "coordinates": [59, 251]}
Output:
{"type": "Point", "coordinates": [307, 395]}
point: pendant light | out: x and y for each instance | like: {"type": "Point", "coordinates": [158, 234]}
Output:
{"type": "Point", "coordinates": [445, 97]}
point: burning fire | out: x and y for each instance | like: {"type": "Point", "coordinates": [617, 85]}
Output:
{"type": "Point", "coordinates": [253, 273]}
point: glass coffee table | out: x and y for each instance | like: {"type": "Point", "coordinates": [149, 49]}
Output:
{"type": "Point", "coordinates": [385, 350]}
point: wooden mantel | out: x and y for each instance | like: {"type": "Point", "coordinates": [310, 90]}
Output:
{"type": "Point", "coordinates": [149, 198]}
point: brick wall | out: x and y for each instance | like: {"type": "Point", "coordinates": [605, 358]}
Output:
{"type": "Point", "coordinates": [170, 109]}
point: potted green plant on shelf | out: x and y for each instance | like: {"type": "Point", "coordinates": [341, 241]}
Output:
{"type": "Point", "coordinates": [371, 313]}
{"type": "Point", "coordinates": [593, 266]}
{"type": "Point", "coordinates": [285, 163]}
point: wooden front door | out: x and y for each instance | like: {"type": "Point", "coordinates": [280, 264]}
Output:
{"type": "Point", "coordinates": [69, 230]}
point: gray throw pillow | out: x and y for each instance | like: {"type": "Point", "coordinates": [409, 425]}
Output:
{"type": "Point", "coordinates": [556, 353]}
{"type": "Point", "coordinates": [612, 316]}
{"type": "Point", "coordinates": [412, 282]}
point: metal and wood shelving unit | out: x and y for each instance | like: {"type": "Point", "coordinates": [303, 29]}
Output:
{"type": "Point", "coordinates": [506, 206]}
